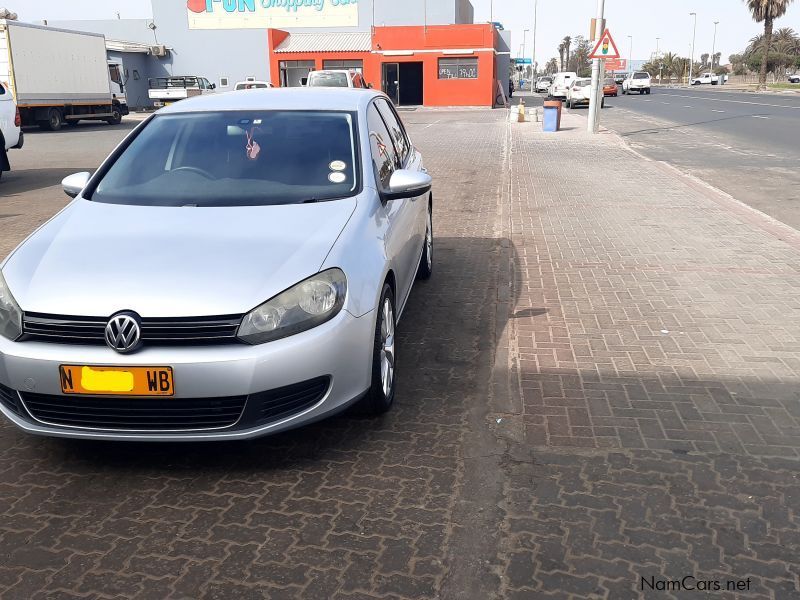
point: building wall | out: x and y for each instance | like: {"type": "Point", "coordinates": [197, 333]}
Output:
{"type": "Point", "coordinates": [213, 54]}
{"type": "Point", "coordinates": [428, 44]}
{"type": "Point", "coordinates": [128, 30]}
{"type": "Point", "coordinates": [133, 64]}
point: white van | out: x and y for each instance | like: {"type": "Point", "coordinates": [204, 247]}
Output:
{"type": "Point", "coordinates": [561, 83]}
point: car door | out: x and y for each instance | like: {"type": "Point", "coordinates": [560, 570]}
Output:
{"type": "Point", "coordinates": [411, 160]}
{"type": "Point", "coordinates": [400, 215]}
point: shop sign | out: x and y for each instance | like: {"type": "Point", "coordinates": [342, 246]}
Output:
{"type": "Point", "coordinates": [262, 14]}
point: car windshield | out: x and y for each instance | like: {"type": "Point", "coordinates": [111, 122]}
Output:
{"type": "Point", "coordinates": [582, 82]}
{"type": "Point", "coordinates": [641, 76]}
{"type": "Point", "coordinates": [235, 158]}
{"type": "Point", "coordinates": [328, 80]}
{"type": "Point", "coordinates": [546, 80]}
{"type": "Point", "coordinates": [609, 82]}
{"type": "Point", "coordinates": [251, 86]}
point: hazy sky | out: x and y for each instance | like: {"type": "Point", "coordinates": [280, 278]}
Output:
{"type": "Point", "coordinates": [645, 20]}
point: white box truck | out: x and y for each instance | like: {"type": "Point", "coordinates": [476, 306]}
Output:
{"type": "Point", "coordinates": [59, 76]}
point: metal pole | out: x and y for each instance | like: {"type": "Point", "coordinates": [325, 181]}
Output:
{"type": "Point", "coordinates": [630, 56]}
{"type": "Point", "coordinates": [714, 45]}
{"type": "Point", "coordinates": [596, 101]}
{"type": "Point", "coordinates": [694, 36]}
{"type": "Point", "coordinates": [533, 56]}
{"type": "Point", "coordinates": [524, 41]}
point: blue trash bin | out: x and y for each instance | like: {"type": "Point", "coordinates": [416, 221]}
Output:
{"type": "Point", "coordinates": [550, 121]}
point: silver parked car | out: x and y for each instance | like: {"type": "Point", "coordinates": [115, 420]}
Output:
{"type": "Point", "coordinates": [235, 268]}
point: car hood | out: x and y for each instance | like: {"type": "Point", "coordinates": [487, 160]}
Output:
{"type": "Point", "coordinates": [96, 259]}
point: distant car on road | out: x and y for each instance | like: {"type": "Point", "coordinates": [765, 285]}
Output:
{"type": "Point", "coordinates": [10, 132]}
{"type": "Point", "coordinates": [543, 84]}
{"type": "Point", "coordinates": [610, 87]}
{"type": "Point", "coordinates": [794, 78]}
{"type": "Point", "coordinates": [706, 79]}
{"type": "Point", "coordinates": [619, 78]}
{"type": "Point", "coordinates": [252, 85]}
{"type": "Point", "coordinates": [580, 92]}
{"type": "Point", "coordinates": [336, 78]}
{"type": "Point", "coordinates": [637, 82]}
{"type": "Point", "coordinates": [561, 83]}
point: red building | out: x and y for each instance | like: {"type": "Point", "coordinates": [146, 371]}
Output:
{"type": "Point", "coordinates": [437, 65]}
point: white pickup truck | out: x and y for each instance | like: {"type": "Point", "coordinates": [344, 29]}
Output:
{"type": "Point", "coordinates": [638, 81]}
{"type": "Point", "coordinates": [167, 90]}
{"type": "Point", "coordinates": [706, 79]}
{"type": "Point", "coordinates": [10, 132]}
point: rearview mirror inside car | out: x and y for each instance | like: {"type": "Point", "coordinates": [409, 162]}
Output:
{"type": "Point", "coordinates": [74, 184]}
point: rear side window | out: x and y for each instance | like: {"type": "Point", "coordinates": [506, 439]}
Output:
{"type": "Point", "coordinates": [384, 158]}
{"type": "Point", "coordinates": [401, 142]}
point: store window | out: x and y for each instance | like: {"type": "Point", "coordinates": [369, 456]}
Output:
{"type": "Point", "coordinates": [355, 65]}
{"type": "Point", "coordinates": [458, 68]}
{"type": "Point", "coordinates": [294, 73]}
{"type": "Point", "coordinates": [224, 82]}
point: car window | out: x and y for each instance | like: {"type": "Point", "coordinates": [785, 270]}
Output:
{"type": "Point", "coordinates": [609, 82]}
{"type": "Point", "coordinates": [384, 159]}
{"type": "Point", "coordinates": [401, 143]}
{"type": "Point", "coordinates": [235, 158]}
{"type": "Point", "coordinates": [641, 76]}
{"type": "Point", "coordinates": [328, 80]}
{"type": "Point", "coordinates": [2, 89]}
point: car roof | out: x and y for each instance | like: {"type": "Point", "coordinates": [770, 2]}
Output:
{"type": "Point", "coordinates": [299, 98]}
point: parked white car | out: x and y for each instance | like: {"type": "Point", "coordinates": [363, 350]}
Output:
{"type": "Point", "coordinates": [794, 78]}
{"type": "Point", "coordinates": [543, 84]}
{"type": "Point", "coordinates": [252, 85]}
{"type": "Point", "coordinates": [10, 132]}
{"type": "Point", "coordinates": [706, 79]}
{"type": "Point", "coordinates": [561, 83]}
{"type": "Point", "coordinates": [580, 92]}
{"type": "Point", "coordinates": [346, 78]}
{"type": "Point", "coordinates": [637, 82]}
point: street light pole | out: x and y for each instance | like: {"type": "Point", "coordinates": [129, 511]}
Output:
{"type": "Point", "coordinates": [524, 41]}
{"type": "Point", "coordinates": [533, 55]}
{"type": "Point", "coordinates": [630, 55]}
{"type": "Point", "coordinates": [714, 45]}
{"type": "Point", "coordinates": [694, 37]}
{"type": "Point", "coordinates": [596, 102]}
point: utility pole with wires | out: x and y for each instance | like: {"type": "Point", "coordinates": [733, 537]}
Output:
{"type": "Point", "coordinates": [595, 102]}
{"type": "Point", "coordinates": [533, 56]}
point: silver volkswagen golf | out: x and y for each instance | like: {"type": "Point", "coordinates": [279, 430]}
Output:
{"type": "Point", "coordinates": [235, 268]}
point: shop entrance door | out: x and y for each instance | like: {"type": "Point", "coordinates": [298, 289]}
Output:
{"type": "Point", "coordinates": [391, 81]}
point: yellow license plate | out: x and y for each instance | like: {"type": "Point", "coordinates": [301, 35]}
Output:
{"type": "Point", "coordinates": [116, 381]}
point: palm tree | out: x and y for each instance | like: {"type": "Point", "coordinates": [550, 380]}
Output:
{"type": "Point", "coordinates": [561, 56]}
{"type": "Point", "coordinates": [766, 11]}
{"type": "Point", "coordinates": [552, 66]}
{"type": "Point", "coordinates": [567, 43]}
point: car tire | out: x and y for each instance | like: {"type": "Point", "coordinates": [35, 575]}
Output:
{"type": "Point", "coordinates": [380, 396]}
{"type": "Point", "coordinates": [603, 103]}
{"type": "Point", "coordinates": [647, 91]}
{"type": "Point", "coordinates": [425, 268]}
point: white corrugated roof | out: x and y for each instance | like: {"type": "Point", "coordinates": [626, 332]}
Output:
{"type": "Point", "coordinates": [326, 42]}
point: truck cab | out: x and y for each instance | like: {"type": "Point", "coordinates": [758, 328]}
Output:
{"type": "Point", "coordinates": [167, 90]}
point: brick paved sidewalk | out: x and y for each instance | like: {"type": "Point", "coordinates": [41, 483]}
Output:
{"type": "Point", "coordinates": [656, 340]}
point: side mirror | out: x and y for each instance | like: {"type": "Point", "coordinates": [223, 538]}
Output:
{"type": "Point", "coordinates": [213, 86]}
{"type": "Point", "coordinates": [408, 184]}
{"type": "Point", "coordinates": [369, 85]}
{"type": "Point", "coordinates": [74, 184]}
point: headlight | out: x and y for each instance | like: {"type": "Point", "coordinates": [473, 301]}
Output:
{"type": "Point", "coordinates": [10, 313]}
{"type": "Point", "coordinates": [306, 305]}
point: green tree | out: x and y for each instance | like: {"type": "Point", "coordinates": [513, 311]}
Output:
{"type": "Point", "coordinates": [551, 66]}
{"type": "Point", "coordinates": [766, 11]}
{"type": "Point", "coordinates": [580, 62]}
{"type": "Point", "coordinates": [567, 43]}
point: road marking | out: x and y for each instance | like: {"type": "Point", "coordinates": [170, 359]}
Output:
{"type": "Point", "coordinates": [667, 103]}
{"type": "Point", "coordinates": [432, 124]}
{"type": "Point", "coordinates": [717, 111]}
{"type": "Point", "coordinates": [733, 101]}
{"type": "Point", "coordinates": [760, 117]}
{"type": "Point", "coordinates": [687, 106]}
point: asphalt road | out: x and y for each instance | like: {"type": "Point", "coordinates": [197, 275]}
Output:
{"type": "Point", "coordinates": [746, 144]}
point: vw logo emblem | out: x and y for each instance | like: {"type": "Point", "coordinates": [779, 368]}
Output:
{"type": "Point", "coordinates": [123, 332]}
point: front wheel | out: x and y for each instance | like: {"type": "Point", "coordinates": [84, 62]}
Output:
{"type": "Point", "coordinates": [54, 120]}
{"type": "Point", "coordinates": [425, 268]}
{"type": "Point", "coordinates": [647, 91]}
{"type": "Point", "coordinates": [116, 116]}
{"type": "Point", "coordinates": [380, 395]}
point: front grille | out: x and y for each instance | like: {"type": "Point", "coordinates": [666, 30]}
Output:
{"type": "Point", "coordinates": [283, 402]}
{"type": "Point", "coordinates": [142, 414]}
{"type": "Point", "coordinates": [155, 332]}
{"type": "Point", "coordinates": [10, 399]}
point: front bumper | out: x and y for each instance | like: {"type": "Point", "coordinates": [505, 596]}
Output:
{"type": "Point", "coordinates": [340, 350]}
